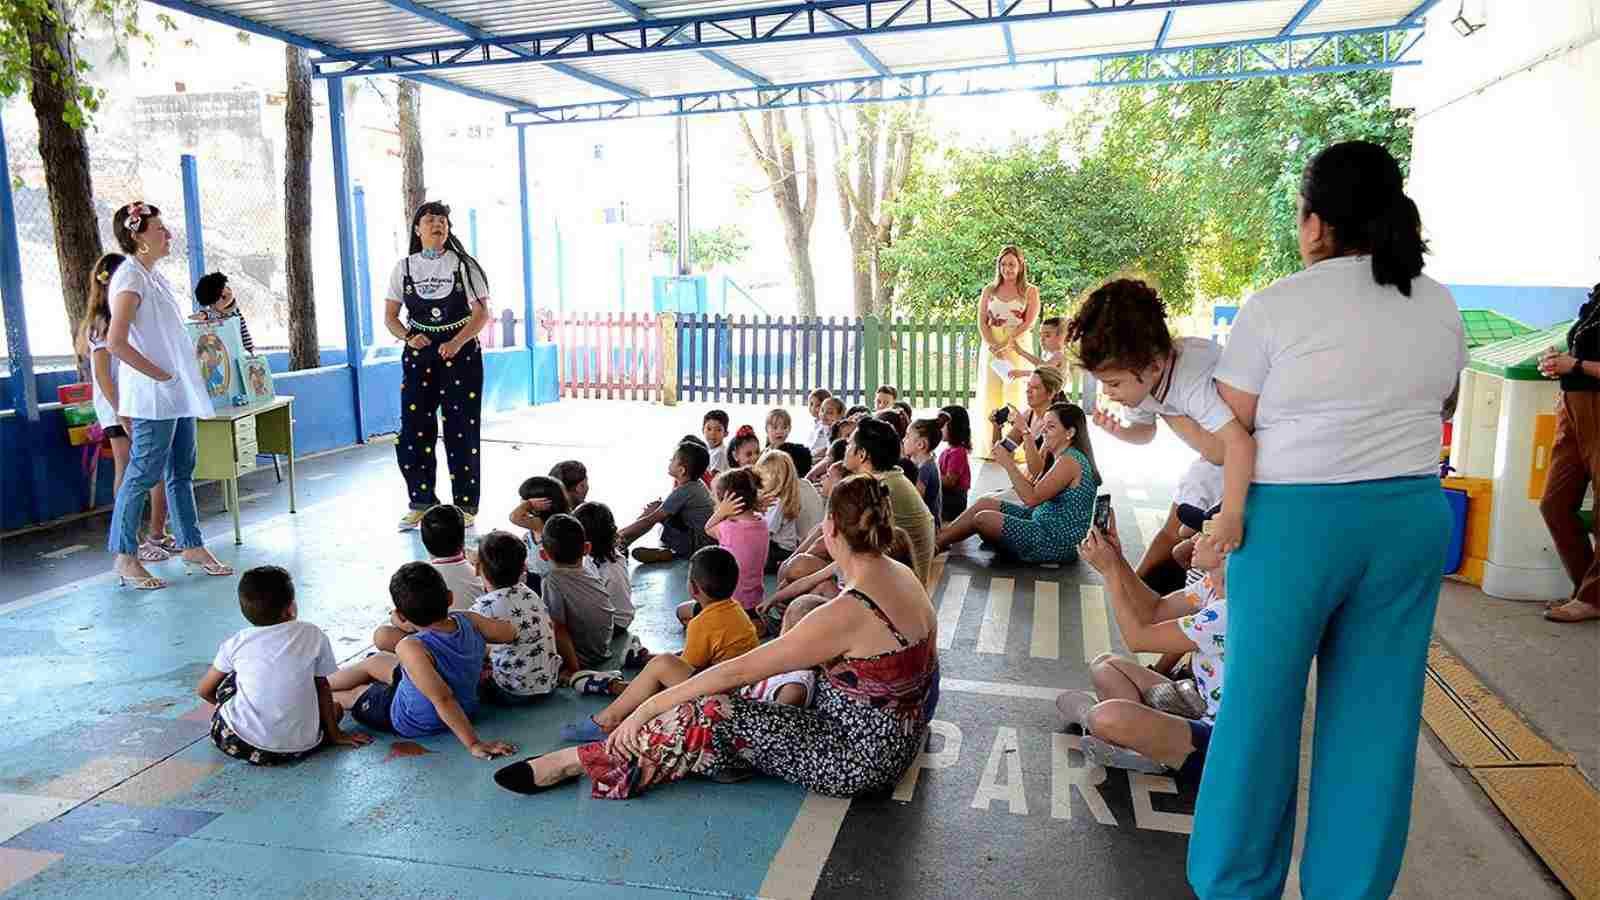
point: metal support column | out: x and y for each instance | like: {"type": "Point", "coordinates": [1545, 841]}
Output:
{"type": "Point", "coordinates": [363, 268]}
{"type": "Point", "coordinates": [347, 280]}
{"type": "Point", "coordinates": [24, 392]}
{"type": "Point", "coordinates": [527, 263]}
{"type": "Point", "coordinates": [683, 196]}
{"type": "Point", "coordinates": [472, 231]}
{"type": "Point", "coordinates": [191, 219]}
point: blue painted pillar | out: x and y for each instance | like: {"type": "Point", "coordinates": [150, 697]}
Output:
{"type": "Point", "coordinates": [527, 258]}
{"type": "Point", "coordinates": [24, 392]}
{"type": "Point", "coordinates": [191, 220]}
{"type": "Point", "coordinates": [363, 268]}
{"type": "Point", "coordinates": [472, 231]}
{"type": "Point", "coordinates": [347, 268]}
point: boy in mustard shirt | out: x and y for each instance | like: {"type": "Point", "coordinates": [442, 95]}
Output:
{"type": "Point", "coordinates": [721, 631]}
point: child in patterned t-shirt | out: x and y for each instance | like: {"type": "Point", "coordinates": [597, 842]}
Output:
{"type": "Point", "coordinates": [525, 669]}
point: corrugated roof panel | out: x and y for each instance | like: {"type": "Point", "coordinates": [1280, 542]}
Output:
{"type": "Point", "coordinates": [817, 60]}
{"type": "Point", "coordinates": [662, 74]}
{"type": "Point", "coordinates": [535, 85]}
{"type": "Point", "coordinates": [1073, 37]}
{"type": "Point", "coordinates": [919, 50]}
{"type": "Point", "coordinates": [1336, 14]}
{"type": "Point", "coordinates": [351, 24]}
{"type": "Point", "coordinates": [524, 16]}
{"type": "Point", "coordinates": [1209, 24]}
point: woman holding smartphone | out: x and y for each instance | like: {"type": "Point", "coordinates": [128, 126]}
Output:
{"type": "Point", "coordinates": [1056, 506]}
{"type": "Point", "coordinates": [1575, 461]}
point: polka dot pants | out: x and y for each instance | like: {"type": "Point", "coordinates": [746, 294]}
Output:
{"type": "Point", "coordinates": [431, 386]}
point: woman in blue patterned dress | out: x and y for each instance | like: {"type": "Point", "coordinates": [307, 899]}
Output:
{"type": "Point", "coordinates": [1056, 507]}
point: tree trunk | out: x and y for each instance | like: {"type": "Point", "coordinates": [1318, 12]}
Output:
{"type": "Point", "coordinates": [862, 252]}
{"type": "Point", "coordinates": [303, 347]}
{"type": "Point", "coordinates": [412, 184]}
{"type": "Point", "coordinates": [899, 156]}
{"type": "Point", "coordinates": [65, 153]}
{"type": "Point", "coordinates": [797, 207]}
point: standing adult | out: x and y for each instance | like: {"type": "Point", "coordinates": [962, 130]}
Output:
{"type": "Point", "coordinates": [1007, 309]}
{"type": "Point", "coordinates": [1575, 462]}
{"type": "Point", "coordinates": [445, 295]}
{"type": "Point", "coordinates": [879, 685]}
{"type": "Point", "coordinates": [1344, 370]}
{"type": "Point", "coordinates": [160, 394]}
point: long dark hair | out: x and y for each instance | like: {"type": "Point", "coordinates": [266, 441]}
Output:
{"type": "Point", "coordinates": [451, 242]}
{"type": "Point", "coordinates": [97, 313]}
{"type": "Point", "coordinates": [959, 426]}
{"type": "Point", "coordinates": [1357, 188]}
{"type": "Point", "coordinates": [600, 526]}
{"type": "Point", "coordinates": [1071, 416]}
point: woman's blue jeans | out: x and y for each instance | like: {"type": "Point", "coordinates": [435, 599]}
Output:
{"type": "Point", "coordinates": [160, 446]}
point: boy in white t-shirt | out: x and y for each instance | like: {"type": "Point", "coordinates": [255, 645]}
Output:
{"type": "Point", "coordinates": [1138, 719]}
{"type": "Point", "coordinates": [525, 669]}
{"type": "Point", "coordinates": [1120, 337]}
{"type": "Point", "coordinates": [715, 429]}
{"type": "Point", "coordinates": [270, 681]}
{"type": "Point", "coordinates": [444, 536]}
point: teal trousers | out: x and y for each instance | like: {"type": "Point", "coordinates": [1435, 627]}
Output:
{"type": "Point", "coordinates": [1347, 575]}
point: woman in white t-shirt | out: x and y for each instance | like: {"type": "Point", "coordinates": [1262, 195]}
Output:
{"type": "Point", "coordinates": [445, 295]}
{"type": "Point", "coordinates": [1345, 370]}
{"type": "Point", "coordinates": [159, 391]}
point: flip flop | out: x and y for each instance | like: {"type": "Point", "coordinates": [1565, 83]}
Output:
{"type": "Point", "coordinates": [1074, 707]}
{"type": "Point", "coordinates": [586, 731]}
{"type": "Point", "coordinates": [594, 683]}
{"type": "Point", "coordinates": [1112, 756]}
{"type": "Point", "coordinates": [214, 569]}
{"type": "Point", "coordinates": [151, 552]}
{"type": "Point", "coordinates": [147, 583]}
{"type": "Point", "coordinates": [1573, 611]}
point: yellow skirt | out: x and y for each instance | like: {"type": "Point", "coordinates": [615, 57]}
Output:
{"type": "Point", "coordinates": [993, 393]}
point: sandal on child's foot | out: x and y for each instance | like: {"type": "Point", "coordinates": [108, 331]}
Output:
{"type": "Point", "coordinates": [586, 731]}
{"type": "Point", "coordinates": [1112, 756]}
{"type": "Point", "coordinates": [636, 655]}
{"type": "Point", "coordinates": [652, 554]}
{"type": "Point", "coordinates": [518, 777]}
{"type": "Point", "coordinates": [595, 683]}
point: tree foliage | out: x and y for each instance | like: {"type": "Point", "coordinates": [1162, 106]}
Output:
{"type": "Point", "coordinates": [724, 245]}
{"type": "Point", "coordinates": [1232, 152]}
{"type": "Point", "coordinates": [1077, 223]}
{"type": "Point", "coordinates": [21, 21]}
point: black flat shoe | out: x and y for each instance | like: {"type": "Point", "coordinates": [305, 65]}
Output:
{"type": "Point", "coordinates": [518, 777]}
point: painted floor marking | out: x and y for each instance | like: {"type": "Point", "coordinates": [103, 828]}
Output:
{"type": "Point", "coordinates": [999, 689]}
{"type": "Point", "coordinates": [797, 867]}
{"type": "Point", "coordinates": [996, 616]}
{"type": "Point", "coordinates": [1046, 621]}
{"type": "Point", "coordinates": [65, 552]}
{"type": "Point", "coordinates": [320, 476]}
{"type": "Point", "coordinates": [1096, 630]}
{"type": "Point", "coordinates": [955, 597]}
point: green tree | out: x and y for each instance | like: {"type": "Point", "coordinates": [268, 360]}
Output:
{"type": "Point", "coordinates": [1077, 224]}
{"type": "Point", "coordinates": [724, 245]}
{"type": "Point", "coordinates": [1232, 153]}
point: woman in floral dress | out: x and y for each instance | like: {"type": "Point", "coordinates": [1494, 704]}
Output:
{"type": "Point", "coordinates": [878, 688]}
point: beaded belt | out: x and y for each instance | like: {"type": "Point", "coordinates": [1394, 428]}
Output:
{"type": "Point", "coordinates": [438, 328]}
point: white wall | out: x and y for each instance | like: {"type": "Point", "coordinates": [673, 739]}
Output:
{"type": "Point", "coordinates": [1506, 167]}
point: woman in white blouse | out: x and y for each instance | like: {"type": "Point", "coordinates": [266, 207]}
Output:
{"type": "Point", "coordinates": [1345, 371]}
{"type": "Point", "coordinates": [161, 393]}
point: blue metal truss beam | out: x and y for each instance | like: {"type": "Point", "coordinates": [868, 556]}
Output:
{"type": "Point", "coordinates": [1302, 54]}
{"type": "Point", "coordinates": [250, 26]}
{"type": "Point", "coordinates": [641, 14]}
{"type": "Point", "coordinates": [1166, 27]}
{"type": "Point", "coordinates": [1307, 9]}
{"type": "Point", "coordinates": [470, 30]}
{"type": "Point", "coordinates": [1011, 46]}
{"type": "Point", "coordinates": [819, 19]}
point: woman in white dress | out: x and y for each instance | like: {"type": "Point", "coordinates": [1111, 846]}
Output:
{"type": "Point", "coordinates": [1007, 310]}
{"type": "Point", "coordinates": [160, 394]}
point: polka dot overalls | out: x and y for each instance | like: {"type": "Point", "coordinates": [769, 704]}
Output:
{"type": "Point", "coordinates": [431, 385]}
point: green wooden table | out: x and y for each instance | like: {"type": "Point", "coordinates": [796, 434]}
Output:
{"type": "Point", "coordinates": [229, 442]}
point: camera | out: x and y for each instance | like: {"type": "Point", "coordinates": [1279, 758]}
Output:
{"type": "Point", "coordinates": [1000, 416]}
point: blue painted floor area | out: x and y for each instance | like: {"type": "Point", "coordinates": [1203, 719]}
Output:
{"type": "Point", "coordinates": [110, 786]}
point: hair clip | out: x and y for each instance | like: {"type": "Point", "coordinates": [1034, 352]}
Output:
{"type": "Point", "coordinates": [745, 431]}
{"type": "Point", "coordinates": [102, 276]}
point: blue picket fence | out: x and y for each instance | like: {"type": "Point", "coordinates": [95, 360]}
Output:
{"type": "Point", "coordinates": [770, 360]}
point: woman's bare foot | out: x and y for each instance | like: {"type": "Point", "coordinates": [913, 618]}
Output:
{"type": "Point", "coordinates": [129, 567]}
{"type": "Point", "coordinates": [554, 768]}
{"type": "Point", "coordinates": [200, 556]}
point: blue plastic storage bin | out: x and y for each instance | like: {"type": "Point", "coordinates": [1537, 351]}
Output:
{"type": "Point", "coordinates": [1458, 529]}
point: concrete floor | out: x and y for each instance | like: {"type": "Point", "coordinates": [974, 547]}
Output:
{"type": "Point", "coordinates": [109, 786]}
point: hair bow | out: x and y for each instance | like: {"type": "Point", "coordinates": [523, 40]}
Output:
{"type": "Point", "coordinates": [137, 210]}
{"type": "Point", "coordinates": [745, 431]}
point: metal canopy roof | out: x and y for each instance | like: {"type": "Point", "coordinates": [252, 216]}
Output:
{"type": "Point", "coordinates": [554, 61]}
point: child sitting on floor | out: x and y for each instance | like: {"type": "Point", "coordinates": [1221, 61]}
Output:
{"type": "Point", "coordinates": [737, 525]}
{"type": "Point", "coordinates": [600, 527]}
{"type": "Point", "coordinates": [1138, 719]}
{"type": "Point", "coordinates": [795, 506]}
{"type": "Point", "coordinates": [715, 428]}
{"type": "Point", "coordinates": [921, 439]}
{"type": "Point", "coordinates": [682, 515]}
{"type": "Point", "coordinates": [822, 584]}
{"type": "Point", "coordinates": [542, 497]}
{"type": "Point", "coordinates": [885, 397]}
{"type": "Point", "coordinates": [429, 685]}
{"type": "Point", "coordinates": [525, 669]}
{"type": "Point", "coordinates": [444, 536]}
{"type": "Point", "coordinates": [579, 603]}
{"type": "Point", "coordinates": [814, 401]}
{"type": "Point", "coordinates": [831, 415]}
{"type": "Point", "coordinates": [955, 466]}
{"type": "Point", "coordinates": [719, 631]}
{"type": "Point", "coordinates": [791, 688]}
{"type": "Point", "coordinates": [744, 448]}
{"type": "Point", "coordinates": [574, 478]}
{"type": "Point", "coordinates": [778, 427]}
{"type": "Point", "coordinates": [270, 681]}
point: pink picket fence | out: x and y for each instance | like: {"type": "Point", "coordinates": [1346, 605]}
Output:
{"type": "Point", "coordinates": [610, 356]}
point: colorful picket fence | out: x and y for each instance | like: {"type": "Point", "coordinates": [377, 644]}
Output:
{"type": "Point", "coordinates": [767, 360]}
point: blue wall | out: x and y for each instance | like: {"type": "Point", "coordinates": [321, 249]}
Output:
{"type": "Point", "coordinates": [323, 420]}
{"type": "Point", "coordinates": [1540, 307]}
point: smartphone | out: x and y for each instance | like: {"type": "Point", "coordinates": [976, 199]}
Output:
{"type": "Point", "coordinates": [1009, 445]}
{"type": "Point", "coordinates": [1102, 513]}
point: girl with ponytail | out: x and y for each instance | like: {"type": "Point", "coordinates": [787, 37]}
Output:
{"type": "Point", "coordinates": [1344, 370]}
